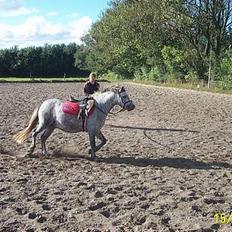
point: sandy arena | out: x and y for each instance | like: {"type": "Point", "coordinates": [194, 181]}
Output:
{"type": "Point", "coordinates": [167, 165]}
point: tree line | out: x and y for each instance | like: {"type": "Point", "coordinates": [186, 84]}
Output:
{"type": "Point", "coordinates": [44, 61]}
{"type": "Point", "coordinates": [160, 40]}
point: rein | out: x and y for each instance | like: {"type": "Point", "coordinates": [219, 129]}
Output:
{"type": "Point", "coordinates": [122, 109]}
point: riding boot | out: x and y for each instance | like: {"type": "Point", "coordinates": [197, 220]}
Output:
{"type": "Point", "coordinates": [83, 107]}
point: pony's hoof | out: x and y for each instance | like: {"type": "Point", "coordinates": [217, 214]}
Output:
{"type": "Point", "coordinates": [28, 155]}
{"type": "Point", "coordinates": [29, 152]}
{"type": "Point", "coordinates": [42, 157]}
{"type": "Point", "coordinates": [45, 155]}
{"type": "Point", "coordinates": [94, 158]}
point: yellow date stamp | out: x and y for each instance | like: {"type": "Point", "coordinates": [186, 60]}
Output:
{"type": "Point", "coordinates": [223, 218]}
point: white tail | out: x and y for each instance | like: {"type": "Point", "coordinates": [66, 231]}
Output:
{"type": "Point", "coordinates": [23, 135]}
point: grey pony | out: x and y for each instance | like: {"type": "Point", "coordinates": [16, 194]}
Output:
{"type": "Point", "coordinates": [49, 116]}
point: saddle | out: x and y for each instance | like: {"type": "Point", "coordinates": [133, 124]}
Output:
{"type": "Point", "coordinates": [80, 108]}
{"type": "Point", "coordinates": [86, 105]}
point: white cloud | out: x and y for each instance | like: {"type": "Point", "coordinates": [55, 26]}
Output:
{"type": "Point", "coordinates": [52, 13]}
{"type": "Point", "coordinates": [79, 27]}
{"type": "Point", "coordinates": [37, 25]}
{"type": "Point", "coordinates": [37, 31]}
{"type": "Point", "coordinates": [74, 15]}
{"type": "Point", "coordinates": [18, 12]}
{"type": "Point", "coordinates": [10, 8]}
{"type": "Point", "coordinates": [10, 4]}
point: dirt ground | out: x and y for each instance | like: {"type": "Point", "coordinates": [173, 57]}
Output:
{"type": "Point", "coordinates": [166, 167]}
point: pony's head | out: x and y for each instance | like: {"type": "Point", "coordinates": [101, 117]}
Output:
{"type": "Point", "coordinates": [123, 99]}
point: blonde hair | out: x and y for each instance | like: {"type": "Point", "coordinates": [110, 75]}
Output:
{"type": "Point", "coordinates": [92, 74]}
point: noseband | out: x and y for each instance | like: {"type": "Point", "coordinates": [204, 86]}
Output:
{"type": "Point", "coordinates": [124, 102]}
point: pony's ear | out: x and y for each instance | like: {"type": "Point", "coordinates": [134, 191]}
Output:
{"type": "Point", "coordinates": [122, 89]}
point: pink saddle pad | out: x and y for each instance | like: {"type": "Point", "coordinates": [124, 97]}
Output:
{"type": "Point", "coordinates": [72, 108]}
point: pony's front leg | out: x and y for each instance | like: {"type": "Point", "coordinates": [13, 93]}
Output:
{"type": "Point", "coordinates": [102, 138]}
{"type": "Point", "coordinates": [92, 145]}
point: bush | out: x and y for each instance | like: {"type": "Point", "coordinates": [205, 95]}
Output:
{"type": "Point", "coordinates": [141, 74]}
{"type": "Point", "coordinates": [226, 64]}
{"type": "Point", "coordinates": [181, 64]}
{"type": "Point", "coordinates": [152, 74]}
{"type": "Point", "coordinates": [223, 72]}
{"type": "Point", "coordinates": [191, 77]}
{"type": "Point", "coordinates": [112, 76]}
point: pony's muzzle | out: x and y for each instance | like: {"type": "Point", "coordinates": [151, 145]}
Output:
{"type": "Point", "coordinates": [130, 106]}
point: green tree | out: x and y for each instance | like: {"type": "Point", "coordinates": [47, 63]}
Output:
{"type": "Point", "coordinates": [132, 35]}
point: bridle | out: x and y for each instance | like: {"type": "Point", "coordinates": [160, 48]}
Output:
{"type": "Point", "coordinates": [123, 102]}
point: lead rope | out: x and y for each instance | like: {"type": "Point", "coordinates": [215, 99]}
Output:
{"type": "Point", "coordinates": [121, 110]}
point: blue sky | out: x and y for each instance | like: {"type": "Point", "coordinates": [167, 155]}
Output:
{"type": "Point", "coordinates": [36, 22]}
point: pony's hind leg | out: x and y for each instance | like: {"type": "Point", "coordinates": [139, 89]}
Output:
{"type": "Point", "coordinates": [47, 132]}
{"type": "Point", "coordinates": [35, 132]}
{"type": "Point", "coordinates": [33, 142]}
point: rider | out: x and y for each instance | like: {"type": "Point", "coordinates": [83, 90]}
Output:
{"type": "Point", "coordinates": [91, 85]}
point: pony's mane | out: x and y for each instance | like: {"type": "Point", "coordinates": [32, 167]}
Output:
{"type": "Point", "coordinates": [113, 88]}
